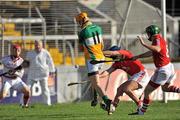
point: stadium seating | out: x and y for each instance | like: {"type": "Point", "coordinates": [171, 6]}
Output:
{"type": "Point", "coordinates": [56, 56]}
{"type": "Point", "coordinates": [9, 27]}
{"type": "Point", "coordinates": [12, 33]}
{"type": "Point", "coordinates": [9, 30]}
{"type": "Point", "coordinates": [80, 60]}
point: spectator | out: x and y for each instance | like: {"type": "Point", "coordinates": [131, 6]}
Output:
{"type": "Point", "coordinates": [41, 66]}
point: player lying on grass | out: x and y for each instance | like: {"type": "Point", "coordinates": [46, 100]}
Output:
{"type": "Point", "coordinates": [138, 75]}
{"type": "Point", "coordinates": [164, 68]}
{"type": "Point", "coordinates": [13, 78]}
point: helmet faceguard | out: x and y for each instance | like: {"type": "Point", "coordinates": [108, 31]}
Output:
{"type": "Point", "coordinates": [82, 18]}
{"type": "Point", "coordinates": [152, 30]}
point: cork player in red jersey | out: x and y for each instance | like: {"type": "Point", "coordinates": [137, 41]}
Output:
{"type": "Point", "coordinates": [138, 79]}
{"type": "Point", "coordinates": [164, 68]}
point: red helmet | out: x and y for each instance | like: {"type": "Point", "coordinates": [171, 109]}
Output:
{"type": "Point", "coordinates": [16, 46]}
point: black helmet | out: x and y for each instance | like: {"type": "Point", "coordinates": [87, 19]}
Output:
{"type": "Point", "coordinates": [152, 30]}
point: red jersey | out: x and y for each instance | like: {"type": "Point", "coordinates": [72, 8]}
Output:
{"type": "Point", "coordinates": [131, 67]}
{"type": "Point", "coordinates": [160, 58]}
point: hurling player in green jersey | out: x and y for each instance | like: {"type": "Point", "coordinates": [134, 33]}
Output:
{"type": "Point", "coordinates": [90, 40]}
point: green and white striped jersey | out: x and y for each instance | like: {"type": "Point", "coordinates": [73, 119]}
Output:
{"type": "Point", "coordinates": [91, 39]}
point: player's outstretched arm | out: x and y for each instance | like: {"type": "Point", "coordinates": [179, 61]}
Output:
{"type": "Point", "coordinates": [112, 54]}
{"type": "Point", "coordinates": [144, 55]}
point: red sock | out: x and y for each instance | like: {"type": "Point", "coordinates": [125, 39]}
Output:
{"type": "Point", "coordinates": [174, 89]}
{"type": "Point", "coordinates": [146, 103]}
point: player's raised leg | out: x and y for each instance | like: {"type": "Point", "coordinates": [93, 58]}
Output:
{"type": "Point", "coordinates": [127, 87]}
{"type": "Point", "coordinates": [170, 88]}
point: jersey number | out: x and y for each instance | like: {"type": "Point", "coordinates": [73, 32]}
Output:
{"type": "Point", "coordinates": [96, 37]}
{"type": "Point", "coordinates": [167, 51]}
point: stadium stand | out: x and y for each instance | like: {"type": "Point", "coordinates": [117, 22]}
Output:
{"type": "Point", "coordinates": [56, 55]}
{"type": "Point", "coordinates": [59, 21]}
{"type": "Point", "coordinates": [60, 25]}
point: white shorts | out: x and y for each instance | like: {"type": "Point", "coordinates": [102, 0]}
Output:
{"type": "Point", "coordinates": [163, 74]}
{"type": "Point", "coordinates": [93, 68]}
{"type": "Point", "coordinates": [141, 77]}
{"type": "Point", "coordinates": [16, 84]}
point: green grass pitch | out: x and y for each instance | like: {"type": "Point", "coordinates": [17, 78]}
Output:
{"type": "Point", "coordinates": [83, 111]}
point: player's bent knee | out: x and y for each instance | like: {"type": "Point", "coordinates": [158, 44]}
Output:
{"type": "Point", "coordinates": [95, 83]}
{"type": "Point", "coordinates": [26, 91]}
{"type": "Point", "coordinates": [127, 90]}
{"type": "Point", "coordinates": [165, 89]}
{"type": "Point", "coordinates": [26, 96]}
{"type": "Point", "coordinates": [120, 91]}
